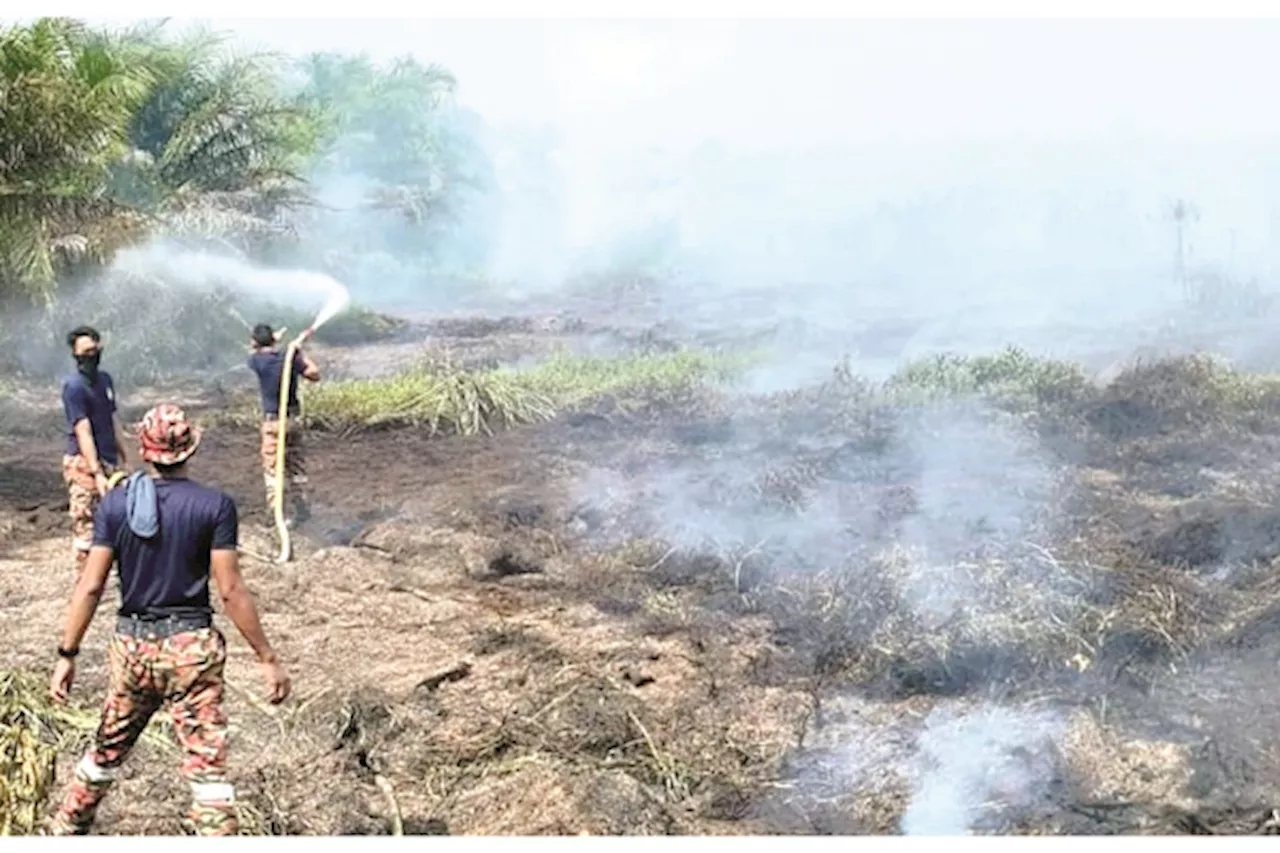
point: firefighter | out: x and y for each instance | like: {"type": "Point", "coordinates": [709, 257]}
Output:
{"type": "Point", "coordinates": [95, 447]}
{"type": "Point", "coordinates": [267, 362]}
{"type": "Point", "coordinates": [166, 649]}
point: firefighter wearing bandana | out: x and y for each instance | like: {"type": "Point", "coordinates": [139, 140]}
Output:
{"type": "Point", "coordinates": [94, 445]}
{"type": "Point", "coordinates": [267, 362]}
{"type": "Point", "coordinates": [167, 535]}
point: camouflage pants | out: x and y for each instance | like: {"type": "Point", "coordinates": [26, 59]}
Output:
{"type": "Point", "coordinates": [295, 464]}
{"type": "Point", "coordinates": [82, 500]}
{"type": "Point", "coordinates": [183, 671]}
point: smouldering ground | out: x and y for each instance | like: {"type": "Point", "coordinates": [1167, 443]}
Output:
{"type": "Point", "coordinates": [497, 635]}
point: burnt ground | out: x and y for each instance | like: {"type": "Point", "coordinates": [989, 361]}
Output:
{"type": "Point", "coordinates": [482, 643]}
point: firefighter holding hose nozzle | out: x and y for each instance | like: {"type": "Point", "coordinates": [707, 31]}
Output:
{"type": "Point", "coordinates": [268, 363]}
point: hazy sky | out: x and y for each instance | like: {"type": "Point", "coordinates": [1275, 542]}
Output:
{"type": "Point", "coordinates": [1144, 110]}
{"type": "Point", "coordinates": [614, 89]}
{"type": "Point", "coordinates": [772, 83]}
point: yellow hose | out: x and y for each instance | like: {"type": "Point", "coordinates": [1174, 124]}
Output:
{"type": "Point", "coordinates": [282, 421]}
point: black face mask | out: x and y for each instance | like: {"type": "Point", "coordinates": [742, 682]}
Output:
{"type": "Point", "coordinates": [88, 365]}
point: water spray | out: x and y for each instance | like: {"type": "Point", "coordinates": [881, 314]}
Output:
{"type": "Point", "coordinates": [335, 303]}
{"type": "Point", "coordinates": [199, 269]}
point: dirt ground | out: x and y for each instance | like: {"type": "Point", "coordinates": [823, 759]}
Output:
{"type": "Point", "coordinates": [481, 645]}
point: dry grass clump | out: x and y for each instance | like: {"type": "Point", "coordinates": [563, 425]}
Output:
{"type": "Point", "coordinates": [1029, 608]}
{"type": "Point", "coordinates": [33, 731]}
{"type": "Point", "coordinates": [445, 398]}
{"type": "Point", "coordinates": [1190, 391]}
{"type": "Point", "coordinates": [442, 399]}
{"type": "Point", "coordinates": [1107, 768]}
{"type": "Point", "coordinates": [944, 627]}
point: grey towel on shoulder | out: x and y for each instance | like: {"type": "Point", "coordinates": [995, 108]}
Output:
{"type": "Point", "coordinates": [142, 505]}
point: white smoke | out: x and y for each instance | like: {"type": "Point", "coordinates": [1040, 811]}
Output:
{"type": "Point", "coordinates": [974, 764]}
{"type": "Point", "coordinates": [203, 270]}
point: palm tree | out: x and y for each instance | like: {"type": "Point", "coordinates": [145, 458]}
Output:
{"type": "Point", "coordinates": [217, 149]}
{"type": "Point", "coordinates": [66, 94]}
{"type": "Point", "coordinates": [395, 132]}
{"type": "Point", "coordinates": [109, 136]}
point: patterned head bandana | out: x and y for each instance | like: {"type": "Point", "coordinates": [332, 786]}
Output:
{"type": "Point", "coordinates": [167, 437]}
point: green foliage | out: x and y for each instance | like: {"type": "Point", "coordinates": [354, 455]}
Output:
{"type": "Point", "coordinates": [66, 95]}
{"type": "Point", "coordinates": [1011, 374]}
{"type": "Point", "coordinates": [571, 380]}
{"type": "Point", "coordinates": [382, 123]}
{"type": "Point", "coordinates": [219, 124]}
{"type": "Point", "coordinates": [396, 155]}
{"type": "Point", "coordinates": [442, 397]}
{"type": "Point", "coordinates": [1188, 390]}
{"type": "Point", "coordinates": [112, 136]}
{"type": "Point", "coordinates": [217, 148]}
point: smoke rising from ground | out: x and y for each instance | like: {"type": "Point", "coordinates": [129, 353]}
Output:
{"type": "Point", "coordinates": [837, 218]}
{"type": "Point", "coordinates": [880, 203]}
{"type": "Point", "coordinates": [966, 760]}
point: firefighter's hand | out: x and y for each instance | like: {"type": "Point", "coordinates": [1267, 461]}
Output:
{"type": "Point", "coordinates": [278, 685]}
{"type": "Point", "coordinates": [64, 673]}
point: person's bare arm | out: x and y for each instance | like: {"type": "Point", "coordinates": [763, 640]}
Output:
{"type": "Point", "coordinates": [88, 447]}
{"type": "Point", "coordinates": [310, 370]}
{"type": "Point", "coordinates": [84, 603]}
{"type": "Point", "coordinates": [89, 450]}
{"type": "Point", "coordinates": [86, 595]}
{"type": "Point", "coordinates": [237, 603]}
{"type": "Point", "coordinates": [120, 442]}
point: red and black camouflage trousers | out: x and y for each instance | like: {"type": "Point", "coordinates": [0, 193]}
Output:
{"type": "Point", "coordinates": [184, 672]}
{"type": "Point", "coordinates": [295, 467]}
{"type": "Point", "coordinates": [82, 503]}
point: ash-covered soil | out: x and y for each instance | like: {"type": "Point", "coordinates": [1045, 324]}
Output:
{"type": "Point", "coordinates": [779, 614]}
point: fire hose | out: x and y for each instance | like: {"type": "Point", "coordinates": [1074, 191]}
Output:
{"type": "Point", "coordinates": [282, 420]}
{"type": "Point", "coordinates": [282, 423]}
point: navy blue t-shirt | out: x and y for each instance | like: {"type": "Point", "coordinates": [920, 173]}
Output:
{"type": "Point", "coordinates": [169, 573]}
{"type": "Point", "coordinates": [97, 402]}
{"type": "Point", "coordinates": [268, 365]}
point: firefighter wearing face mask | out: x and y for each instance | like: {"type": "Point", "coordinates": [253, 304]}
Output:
{"type": "Point", "coordinates": [95, 449]}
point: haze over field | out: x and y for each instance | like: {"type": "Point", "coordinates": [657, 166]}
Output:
{"type": "Point", "coordinates": [1021, 173]}
{"type": "Point", "coordinates": [973, 182]}
{"type": "Point", "coordinates": [655, 265]}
